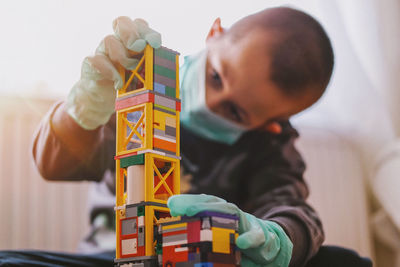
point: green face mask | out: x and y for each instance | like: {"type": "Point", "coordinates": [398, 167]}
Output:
{"type": "Point", "coordinates": [195, 114]}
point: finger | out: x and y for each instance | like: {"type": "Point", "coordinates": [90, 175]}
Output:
{"type": "Point", "coordinates": [145, 32]}
{"type": "Point", "coordinates": [179, 204]}
{"type": "Point", "coordinates": [227, 208]}
{"type": "Point", "coordinates": [126, 31]}
{"type": "Point", "coordinates": [251, 239]}
{"type": "Point", "coordinates": [99, 67]}
{"type": "Point", "coordinates": [134, 35]}
{"type": "Point", "coordinates": [118, 54]}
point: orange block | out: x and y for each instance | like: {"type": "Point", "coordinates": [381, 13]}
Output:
{"type": "Point", "coordinates": [162, 144]}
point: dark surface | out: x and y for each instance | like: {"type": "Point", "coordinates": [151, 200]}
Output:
{"type": "Point", "coordinates": [327, 256]}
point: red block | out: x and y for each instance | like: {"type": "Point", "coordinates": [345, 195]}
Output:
{"type": "Point", "coordinates": [170, 257]}
{"type": "Point", "coordinates": [193, 229]}
{"type": "Point", "coordinates": [175, 233]}
{"type": "Point", "coordinates": [178, 106]}
{"type": "Point", "coordinates": [126, 155]}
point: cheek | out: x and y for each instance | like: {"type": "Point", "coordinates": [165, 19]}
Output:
{"type": "Point", "coordinates": [212, 99]}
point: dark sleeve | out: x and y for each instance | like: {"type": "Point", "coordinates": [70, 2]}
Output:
{"type": "Point", "coordinates": [280, 195]}
{"type": "Point", "coordinates": [62, 150]}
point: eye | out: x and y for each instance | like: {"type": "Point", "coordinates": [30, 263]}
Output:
{"type": "Point", "coordinates": [216, 79]}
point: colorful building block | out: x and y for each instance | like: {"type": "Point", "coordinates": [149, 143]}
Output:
{"type": "Point", "coordinates": [148, 173]}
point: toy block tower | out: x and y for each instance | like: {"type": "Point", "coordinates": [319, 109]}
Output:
{"type": "Point", "coordinates": [147, 153]}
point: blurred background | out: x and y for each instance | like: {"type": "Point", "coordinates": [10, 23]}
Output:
{"type": "Point", "coordinates": [349, 139]}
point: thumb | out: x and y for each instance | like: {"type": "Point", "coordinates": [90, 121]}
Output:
{"type": "Point", "coordinates": [251, 239]}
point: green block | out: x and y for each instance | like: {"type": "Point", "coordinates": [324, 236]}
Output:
{"type": "Point", "coordinates": [165, 72]}
{"type": "Point", "coordinates": [169, 91]}
{"type": "Point", "coordinates": [165, 54]}
{"type": "Point", "coordinates": [140, 211]}
{"type": "Point", "coordinates": [159, 249]}
{"type": "Point", "coordinates": [132, 160]}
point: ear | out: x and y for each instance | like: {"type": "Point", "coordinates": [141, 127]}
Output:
{"type": "Point", "coordinates": [216, 29]}
{"type": "Point", "coordinates": [273, 127]}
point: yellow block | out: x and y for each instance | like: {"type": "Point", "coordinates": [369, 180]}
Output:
{"type": "Point", "coordinates": [149, 54]}
{"type": "Point", "coordinates": [221, 241]}
{"type": "Point", "coordinates": [150, 221]}
{"type": "Point", "coordinates": [173, 226]}
{"type": "Point", "coordinates": [161, 119]}
{"type": "Point", "coordinates": [177, 76]}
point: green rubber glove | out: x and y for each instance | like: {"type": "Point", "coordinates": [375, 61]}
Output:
{"type": "Point", "coordinates": [91, 101]}
{"type": "Point", "coordinates": [262, 242]}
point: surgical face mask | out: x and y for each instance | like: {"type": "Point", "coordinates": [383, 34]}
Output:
{"type": "Point", "coordinates": [195, 114]}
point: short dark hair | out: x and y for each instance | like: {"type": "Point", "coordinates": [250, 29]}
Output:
{"type": "Point", "coordinates": [301, 56]}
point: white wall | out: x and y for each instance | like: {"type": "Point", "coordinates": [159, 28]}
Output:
{"type": "Point", "coordinates": [44, 41]}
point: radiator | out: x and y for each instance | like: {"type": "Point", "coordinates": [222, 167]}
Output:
{"type": "Point", "coordinates": [336, 178]}
{"type": "Point", "coordinates": [34, 213]}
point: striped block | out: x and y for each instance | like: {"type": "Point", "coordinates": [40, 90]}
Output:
{"type": "Point", "coordinates": [165, 63]}
{"type": "Point", "coordinates": [165, 53]}
{"type": "Point", "coordinates": [165, 102]}
{"type": "Point", "coordinates": [174, 240]}
{"type": "Point", "coordinates": [164, 80]}
{"type": "Point", "coordinates": [163, 71]}
{"type": "Point", "coordinates": [134, 100]}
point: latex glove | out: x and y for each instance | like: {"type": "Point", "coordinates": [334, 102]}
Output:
{"type": "Point", "coordinates": [91, 101]}
{"type": "Point", "coordinates": [262, 242]}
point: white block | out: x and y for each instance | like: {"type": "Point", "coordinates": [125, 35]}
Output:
{"type": "Point", "coordinates": [175, 243]}
{"type": "Point", "coordinates": [181, 249]}
{"type": "Point", "coordinates": [135, 184]}
{"type": "Point", "coordinates": [206, 235]}
{"type": "Point", "coordinates": [140, 221]}
{"type": "Point", "coordinates": [129, 246]}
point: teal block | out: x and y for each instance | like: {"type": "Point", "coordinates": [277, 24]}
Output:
{"type": "Point", "coordinates": [165, 54]}
{"type": "Point", "coordinates": [169, 91]}
{"type": "Point", "coordinates": [165, 72]}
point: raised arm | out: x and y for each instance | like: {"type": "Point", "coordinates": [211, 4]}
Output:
{"type": "Point", "coordinates": [76, 140]}
{"type": "Point", "coordinates": [63, 150]}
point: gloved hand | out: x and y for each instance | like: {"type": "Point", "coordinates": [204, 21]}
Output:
{"type": "Point", "coordinates": [262, 242]}
{"type": "Point", "coordinates": [91, 101]}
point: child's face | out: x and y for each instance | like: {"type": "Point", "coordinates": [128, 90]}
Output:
{"type": "Point", "coordinates": [238, 85]}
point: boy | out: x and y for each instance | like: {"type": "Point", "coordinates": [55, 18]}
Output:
{"type": "Point", "coordinates": [237, 143]}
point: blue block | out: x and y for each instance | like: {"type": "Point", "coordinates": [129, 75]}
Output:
{"type": "Point", "coordinates": [203, 264]}
{"type": "Point", "coordinates": [159, 88]}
